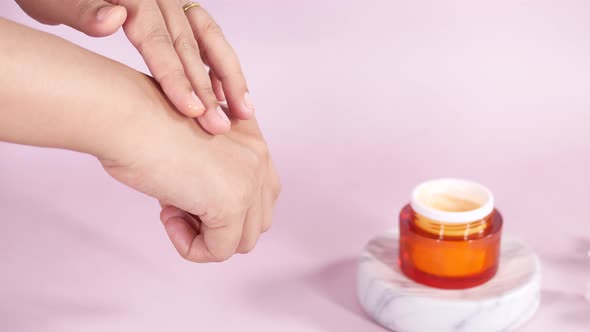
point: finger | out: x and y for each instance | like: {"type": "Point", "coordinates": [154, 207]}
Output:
{"type": "Point", "coordinates": [214, 120]}
{"type": "Point", "coordinates": [217, 244]}
{"type": "Point", "coordinates": [147, 31]}
{"type": "Point", "coordinates": [96, 18]}
{"type": "Point", "coordinates": [268, 203]}
{"type": "Point", "coordinates": [271, 192]}
{"type": "Point", "coordinates": [275, 181]}
{"type": "Point", "coordinates": [187, 239]}
{"type": "Point", "coordinates": [179, 230]}
{"type": "Point", "coordinates": [169, 211]}
{"type": "Point", "coordinates": [217, 87]}
{"type": "Point", "coordinates": [181, 235]}
{"type": "Point", "coordinates": [222, 59]}
{"type": "Point", "coordinates": [252, 228]}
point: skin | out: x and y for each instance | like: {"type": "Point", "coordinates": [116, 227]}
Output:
{"type": "Point", "coordinates": [217, 192]}
{"type": "Point", "coordinates": [175, 45]}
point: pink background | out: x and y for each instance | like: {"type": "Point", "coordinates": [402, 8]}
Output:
{"type": "Point", "coordinates": [359, 102]}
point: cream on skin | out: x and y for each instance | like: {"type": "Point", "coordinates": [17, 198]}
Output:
{"type": "Point", "coordinates": [56, 94]}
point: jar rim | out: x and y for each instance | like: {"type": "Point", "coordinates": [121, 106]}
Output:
{"type": "Point", "coordinates": [471, 191]}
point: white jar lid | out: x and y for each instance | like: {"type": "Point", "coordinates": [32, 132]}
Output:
{"type": "Point", "coordinates": [452, 201]}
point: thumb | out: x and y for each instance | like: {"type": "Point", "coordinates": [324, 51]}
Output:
{"type": "Point", "coordinates": [96, 18]}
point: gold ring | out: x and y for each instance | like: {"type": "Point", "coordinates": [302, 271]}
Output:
{"type": "Point", "coordinates": [190, 5]}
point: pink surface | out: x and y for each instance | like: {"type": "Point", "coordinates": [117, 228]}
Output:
{"type": "Point", "coordinates": [359, 102]}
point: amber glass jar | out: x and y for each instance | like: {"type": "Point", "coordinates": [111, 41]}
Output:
{"type": "Point", "coordinates": [450, 234]}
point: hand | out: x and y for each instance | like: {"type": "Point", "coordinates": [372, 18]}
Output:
{"type": "Point", "coordinates": [217, 193]}
{"type": "Point", "coordinates": [228, 182]}
{"type": "Point", "coordinates": [175, 46]}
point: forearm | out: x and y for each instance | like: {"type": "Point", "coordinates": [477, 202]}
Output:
{"type": "Point", "coordinates": [56, 94]}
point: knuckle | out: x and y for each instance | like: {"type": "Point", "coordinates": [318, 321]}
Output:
{"type": "Point", "coordinates": [233, 70]}
{"type": "Point", "coordinates": [258, 162]}
{"type": "Point", "coordinates": [204, 49]}
{"type": "Point", "coordinates": [255, 157]}
{"type": "Point", "coordinates": [83, 6]}
{"type": "Point", "coordinates": [205, 89]}
{"type": "Point", "coordinates": [230, 57]}
{"type": "Point", "coordinates": [158, 35]}
{"type": "Point", "coordinates": [211, 27]}
{"type": "Point", "coordinates": [245, 196]}
{"type": "Point", "coordinates": [266, 227]}
{"type": "Point", "coordinates": [231, 201]}
{"type": "Point", "coordinates": [247, 247]}
{"type": "Point", "coordinates": [214, 216]}
{"type": "Point", "coordinates": [210, 30]}
{"type": "Point", "coordinates": [197, 207]}
{"type": "Point", "coordinates": [183, 43]}
{"type": "Point", "coordinates": [261, 150]}
{"type": "Point", "coordinates": [277, 188]}
{"type": "Point", "coordinates": [221, 255]}
{"type": "Point", "coordinates": [169, 77]}
{"type": "Point", "coordinates": [252, 159]}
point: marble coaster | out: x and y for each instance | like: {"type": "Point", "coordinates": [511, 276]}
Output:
{"type": "Point", "coordinates": [399, 304]}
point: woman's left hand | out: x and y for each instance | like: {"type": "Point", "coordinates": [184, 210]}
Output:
{"type": "Point", "coordinates": [176, 45]}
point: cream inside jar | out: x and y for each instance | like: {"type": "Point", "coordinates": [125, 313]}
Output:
{"type": "Point", "coordinates": [452, 201]}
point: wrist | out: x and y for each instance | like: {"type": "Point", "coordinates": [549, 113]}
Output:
{"type": "Point", "coordinates": [121, 117]}
{"type": "Point", "coordinates": [78, 100]}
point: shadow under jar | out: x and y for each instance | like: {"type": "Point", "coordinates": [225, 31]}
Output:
{"type": "Point", "coordinates": [450, 234]}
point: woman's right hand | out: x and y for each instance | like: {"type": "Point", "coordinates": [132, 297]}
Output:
{"type": "Point", "coordinates": [217, 192]}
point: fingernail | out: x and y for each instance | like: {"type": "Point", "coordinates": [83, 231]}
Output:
{"type": "Point", "coordinates": [222, 114]}
{"type": "Point", "coordinates": [198, 106]}
{"type": "Point", "coordinates": [103, 12]}
{"type": "Point", "coordinates": [248, 102]}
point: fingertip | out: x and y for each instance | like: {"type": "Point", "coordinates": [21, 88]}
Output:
{"type": "Point", "coordinates": [215, 121]}
{"type": "Point", "coordinates": [181, 234]}
{"type": "Point", "coordinates": [243, 107]}
{"type": "Point", "coordinates": [199, 253]}
{"type": "Point", "coordinates": [120, 15]}
{"type": "Point", "coordinates": [107, 21]}
{"type": "Point", "coordinates": [248, 106]}
{"type": "Point", "coordinates": [195, 106]}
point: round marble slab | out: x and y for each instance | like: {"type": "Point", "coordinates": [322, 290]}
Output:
{"type": "Point", "coordinates": [402, 305]}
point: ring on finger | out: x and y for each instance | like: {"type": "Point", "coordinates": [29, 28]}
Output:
{"type": "Point", "coordinates": [190, 5]}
